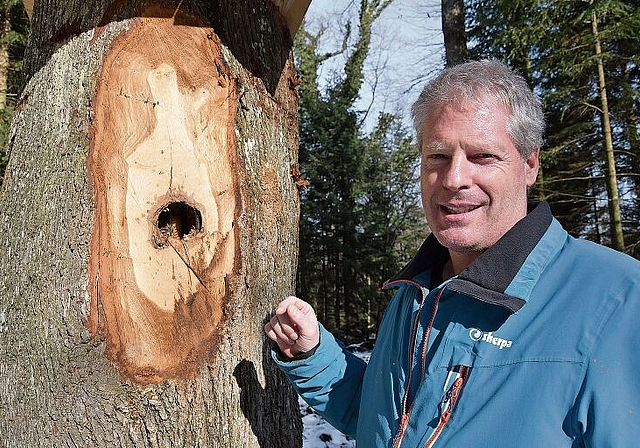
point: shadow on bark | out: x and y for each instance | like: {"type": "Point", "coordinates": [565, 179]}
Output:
{"type": "Point", "coordinates": [272, 410]}
{"type": "Point", "coordinates": [253, 31]}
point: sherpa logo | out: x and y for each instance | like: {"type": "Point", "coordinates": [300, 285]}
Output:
{"type": "Point", "coordinates": [479, 335]}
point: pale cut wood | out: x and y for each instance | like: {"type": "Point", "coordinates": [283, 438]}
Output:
{"type": "Point", "coordinates": [293, 12]}
{"type": "Point", "coordinates": [163, 163]}
{"type": "Point", "coordinates": [28, 6]}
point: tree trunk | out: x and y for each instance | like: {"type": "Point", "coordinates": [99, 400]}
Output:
{"type": "Point", "coordinates": [453, 29]}
{"type": "Point", "coordinates": [615, 217]}
{"type": "Point", "coordinates": [149, 225]}
{"type": "Point", "coordinates": [5, 25]}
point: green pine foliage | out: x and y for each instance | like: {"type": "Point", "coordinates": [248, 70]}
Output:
{"type": "Point", "coordinates": [13, 38]}
{"type": "Point", "coordinates": [393, 224]}
{"type": "Point", "coordinates": [359, 213]}
{"type": "Point", "coordinates": [6, 116]}
{"type": "Point", "coordinates": [552, 44]}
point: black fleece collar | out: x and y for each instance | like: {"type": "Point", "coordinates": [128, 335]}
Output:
{"type": "Point", "coordinates": [488, 277]}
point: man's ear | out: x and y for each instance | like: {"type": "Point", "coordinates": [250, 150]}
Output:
{"type": "Point", "coordinates": [532, 165]}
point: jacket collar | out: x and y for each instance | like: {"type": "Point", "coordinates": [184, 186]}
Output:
{"type": "Point", "coordinates": [490, 276]}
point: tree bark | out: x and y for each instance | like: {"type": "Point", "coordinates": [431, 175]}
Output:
{"type": "Point", "coordinates": [149, 225]}
{"type": "Point", "coordinates": [453, 29]}
{"type": "Point", "coordinates": [5, 25]}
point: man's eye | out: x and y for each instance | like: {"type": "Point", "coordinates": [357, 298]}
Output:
{"type": "Point", "coordinates": [485, 156]}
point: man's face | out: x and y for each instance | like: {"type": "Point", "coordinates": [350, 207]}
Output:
{"type": "Point", "coordinates": [474, 182]}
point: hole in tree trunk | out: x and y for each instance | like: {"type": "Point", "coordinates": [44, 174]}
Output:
{"type": "Point", "coordinates": [179, 219]}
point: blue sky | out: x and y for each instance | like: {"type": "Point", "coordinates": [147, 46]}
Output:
{"type": "Point", "coordinates": [406, 50]}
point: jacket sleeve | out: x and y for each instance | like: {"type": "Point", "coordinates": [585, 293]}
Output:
{"type": "Point", "coordinates": [330, 381]}
{"type": "Point", "coordinates": [608, 411]}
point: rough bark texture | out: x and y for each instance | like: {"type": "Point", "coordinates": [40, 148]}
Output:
{"type": "Point", "coordinates": [5, 26]}
{"type": "Point", "coordinates": [61, 380]}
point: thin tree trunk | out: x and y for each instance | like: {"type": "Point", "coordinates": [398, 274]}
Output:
{"type": "Point", "coordinates": [453, 29]}
{"type": "Point", "coordinates": [596, 219]}
{"type": "Point", "coordinates": [4, 54]}
{"type": "Point", "coordinates": [149, 225]}
{"type": "Point", "coordinates": [631, 125]}
{"type": "Point", "coordinates": [617, 236]}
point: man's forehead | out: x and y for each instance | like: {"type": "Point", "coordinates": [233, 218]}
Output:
{"type": "Point", "coordinates": [484, 115]}
{"type": "Point", "coordinates": [437, 146]}
{"type": "Point", "coordinates": [479, 125]}
{"type": "Point", "coordinates": [482, 106]}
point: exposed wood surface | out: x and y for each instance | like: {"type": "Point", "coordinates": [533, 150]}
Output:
{"type": "Point", "coordinates": [293, 12]}
{"type": "Point", "coordinates": [163, 164]}
{"type": "Point", "coordinates": [28, 6]}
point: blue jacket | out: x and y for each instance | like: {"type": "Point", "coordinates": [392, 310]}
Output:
{"type": "Point", "coordinates": [535, 344]}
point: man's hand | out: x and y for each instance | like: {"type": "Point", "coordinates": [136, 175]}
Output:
{"type": "Point", "coordinates": [294, 327]}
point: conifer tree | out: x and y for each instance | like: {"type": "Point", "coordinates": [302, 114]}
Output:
{"type": "Point", "coordinates": [348, 232]}
{"type": "Point", "coordinates": [553, 45]}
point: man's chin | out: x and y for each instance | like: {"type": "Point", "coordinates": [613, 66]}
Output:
{"type": "Point", "coordinates": [459, 242]}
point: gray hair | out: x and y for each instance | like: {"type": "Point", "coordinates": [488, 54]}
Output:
{"type": "Point", "coordinates": [477, 81]}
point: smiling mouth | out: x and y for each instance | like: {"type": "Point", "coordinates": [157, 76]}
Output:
{"type": "Point", "coordinates": [459, 209]}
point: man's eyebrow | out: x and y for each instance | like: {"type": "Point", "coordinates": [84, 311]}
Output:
{"type": "Point", "coordinates": [434, 147]}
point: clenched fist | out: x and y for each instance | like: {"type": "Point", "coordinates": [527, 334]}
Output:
{"type": "Point", "coordinates": [294, 327]}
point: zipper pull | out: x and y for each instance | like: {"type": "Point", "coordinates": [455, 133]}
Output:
{"type": "Point", "coordinates": [448, 403]}
{"type": "Point", "coordinates": [450, 397]}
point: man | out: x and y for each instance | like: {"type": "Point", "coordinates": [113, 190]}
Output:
{"type": "Point", "coordinates": [504, 331]}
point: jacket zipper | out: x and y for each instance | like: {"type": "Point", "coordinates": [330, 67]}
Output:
{"type": "Point", "coordinates": [406, 406]}
{"type": "Point", "coordinates": [448, 404]}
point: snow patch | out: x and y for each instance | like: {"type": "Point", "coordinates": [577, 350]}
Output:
{"type": "Point", "coordinates": [317, 433]}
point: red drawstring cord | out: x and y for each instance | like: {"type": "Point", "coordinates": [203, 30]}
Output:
{"type": "Point", "coordinates": [404, 419]}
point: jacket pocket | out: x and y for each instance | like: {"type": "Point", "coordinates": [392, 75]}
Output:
{"type": "Point", "coordinates": [453, 387]}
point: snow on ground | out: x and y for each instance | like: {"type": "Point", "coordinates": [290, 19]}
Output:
{"type": "Point", "coordinates": [317, 433]}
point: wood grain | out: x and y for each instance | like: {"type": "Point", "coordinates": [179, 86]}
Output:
{"type": "Point", "coordinates": [163, 170]}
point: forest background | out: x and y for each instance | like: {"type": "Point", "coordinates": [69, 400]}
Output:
{"type": "Point", "coordinates": [361, 219]}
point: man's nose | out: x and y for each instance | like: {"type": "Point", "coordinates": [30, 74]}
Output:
{"type": "Point", "coordinates": [457, 173]}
